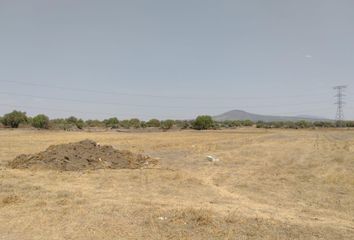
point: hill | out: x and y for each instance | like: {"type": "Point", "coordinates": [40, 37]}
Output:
{"type": "Point", "coordinates": [243, 115]}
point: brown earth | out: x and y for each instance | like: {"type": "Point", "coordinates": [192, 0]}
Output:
{"type": "Point", "coordinates": [269, 184]}
{"type": "Point", "coordinates": [83, 155]}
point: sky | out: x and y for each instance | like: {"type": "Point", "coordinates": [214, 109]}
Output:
{"type": "Point", "coordinates": [175, 59]}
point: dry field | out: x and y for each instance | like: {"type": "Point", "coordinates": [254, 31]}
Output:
{"type": "Point", "coordinates": [268, 184]}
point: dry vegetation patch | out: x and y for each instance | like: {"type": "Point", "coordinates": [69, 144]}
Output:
{"type": "Point", "coordinates": [274, 184]}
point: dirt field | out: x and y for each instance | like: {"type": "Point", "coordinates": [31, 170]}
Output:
{"type": "Point", "coordinates": [268, 184]}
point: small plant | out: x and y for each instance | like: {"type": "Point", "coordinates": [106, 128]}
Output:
{"type": "Point", "coordinates": [134, 123]}
{"type": "Point", "coordinates": [94, 123]}
{"type": "Point", "coordinates": [153, 123]}
{"type": "Point", "coordinates": [111, 122]}
{"type": "Point", "coordinates": [167, 124]}
{"type": "Point", "coordinates": [203, 122]}
{"type": "Point", "coordinates": [40, 121]}
{"type": "Point", "coordinates": [73, 121]}
{"type": "Point", "coordinates": [125, 124]}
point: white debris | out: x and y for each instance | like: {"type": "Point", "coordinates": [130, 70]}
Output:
{"type": "Point", "coordinates": [162, 218]}
{"type": "Point", "coordinates": [212, 159]}
{"type": "Point", "coordinates": [98, 144]}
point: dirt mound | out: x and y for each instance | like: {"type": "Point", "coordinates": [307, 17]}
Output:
{"type": "Point", "coordinates": [84, 155]}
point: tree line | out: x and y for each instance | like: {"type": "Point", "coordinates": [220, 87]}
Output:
{"type": "Point", "coordinates": [16, 118]}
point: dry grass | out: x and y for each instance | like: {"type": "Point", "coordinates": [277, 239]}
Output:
{"type": "Point", "coordinates": [269, 184]}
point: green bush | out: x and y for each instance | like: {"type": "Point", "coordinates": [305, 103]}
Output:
{"type": "Point", "coordinates": [304, 124]}
{"type": "Point", "coordinates": [40, 121]}
{"type": "Point", "coordinates": [262, 124]}
{"type": "Point", "coordinates": [203, 122]}
{"type": "Point", "coordinates": [124, 124]}
{"type": "Point", "coordinates": [94, 123]}
{"type": "Point", "coordinates": [231, 123]}
{"type": "Point", "coordinates": [321, 124]}
{"type": "Point", "coordinates": [153, 123]}
{"type": "Point", "coordinates": [134, 123]}
{"type": "Point", "coordinates": [111, 122]}
{"type": "Point", "coordinates": [73, 121]}
{"type": "Point", "coordinates": [183, 124]}
{"type": "Point", "coordinates": [246, 123]}
{"type": "Point", "coordinates": [167, 124]}
{"type": "Point", "coordinates": [143, 124]}
{"type": "Point", "coordinates": [349, 124]}
{"type": "Point", "coordinates": [14, 119]}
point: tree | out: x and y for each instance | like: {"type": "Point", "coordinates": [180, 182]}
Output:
{"type": "Point", "coordinates": [153, 123]}
{"type": "Point", "coordinates": [303, 124]}
{"type": "Point", "coordinates": [125, 124]}
{"type": "Point", "coordinates": [135, 123]}
{"type": "Point", "coordinates": [79, 123]}
{"type": "Point", "coordinates": [183, 124]}
{"type": "Point", "coordinates": [246, 123]}
{"type": "Point", "coordinates": [14, 119]}
{"type": "Point", "coordinates": [349, 124]}
{"type": "Point", "coordinates": [167, 124]}
{"type": "Point", "coordinates": [203, 122]}
{"type": "Point", "coordinates": [94, 123]}
{"type": "Point", "coordinates": [143, 124]}
{"type": "Point", "coordinates": [111, 122]}
{"type": "Point", "coordinates": [40, 121]}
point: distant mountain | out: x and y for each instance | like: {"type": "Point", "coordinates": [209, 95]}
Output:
{"type": "Point", "coordinates": [243, 115]}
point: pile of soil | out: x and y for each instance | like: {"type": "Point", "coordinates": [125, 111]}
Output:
{"type": "Point", "coordinates": [83, 155]}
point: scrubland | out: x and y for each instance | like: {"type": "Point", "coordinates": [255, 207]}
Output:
{"type": "Point", "coordinates": [268, 184]}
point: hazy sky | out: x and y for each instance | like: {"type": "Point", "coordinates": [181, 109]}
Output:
{"type": "Point", "coordinates": [175, 59]}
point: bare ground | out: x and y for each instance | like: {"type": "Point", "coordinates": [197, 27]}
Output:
{"type": "Point", "coordinates": [269, 184]}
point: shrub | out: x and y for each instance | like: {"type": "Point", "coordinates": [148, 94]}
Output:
{"type": "Point", "coordinates": [349, 124]}
{"type": "Point", "coordinates": [231, 124]}
{"type": "Point", "coordinates": [167, 124]}
{"type": "Point", "coordinates": [203, 122]}
{"type": "Point", "coordinates": [80, 124]}
{"type": "Point", "coordinates": [323, 124]}
{"type": "Point", "coordinates": [94, 123]}
{"type": "Point", "coordinates": [246, 123]}
{"type": "Point", "coordinates": [153, 123]}
{"type": "Point", "coordinates": [58, 123]}
{"type": "Point", "coordinates": [29, 120]}
{"type": "Point", "coordinates": [40, 121]}
{"type": "Point", "coordinates": [124, 124]}
{"type": "Point", "coordinates": [134, 123]}
{"type": "Point", "coordinates": [73, 121]}
{"type": "Point", "coordinates": [143, 124]}
{"type": "Point", "coordinates": [261, 124]}
{"type": "Point", "coordinates": [183, 124]}
{"type": "Point", "coordinates": [111, 122]}
{"type": "Point", "coordinates": [304, 124]}
{"type": "Point", "coordinates": [14, 119]}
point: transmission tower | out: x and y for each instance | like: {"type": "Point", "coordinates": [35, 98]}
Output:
{"type": "Point", "coordinates": [340, 103]}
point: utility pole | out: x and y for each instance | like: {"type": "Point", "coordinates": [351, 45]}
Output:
{"type": "Point", "coordinates": [340, 103]}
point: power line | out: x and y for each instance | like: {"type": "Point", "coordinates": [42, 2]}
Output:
{"type": "Point", "coordinates": [145, 106]}
{"type": "Point", "coordinates": [340, 103]}
{"type": "Point", "coordinates": [114, 93]}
